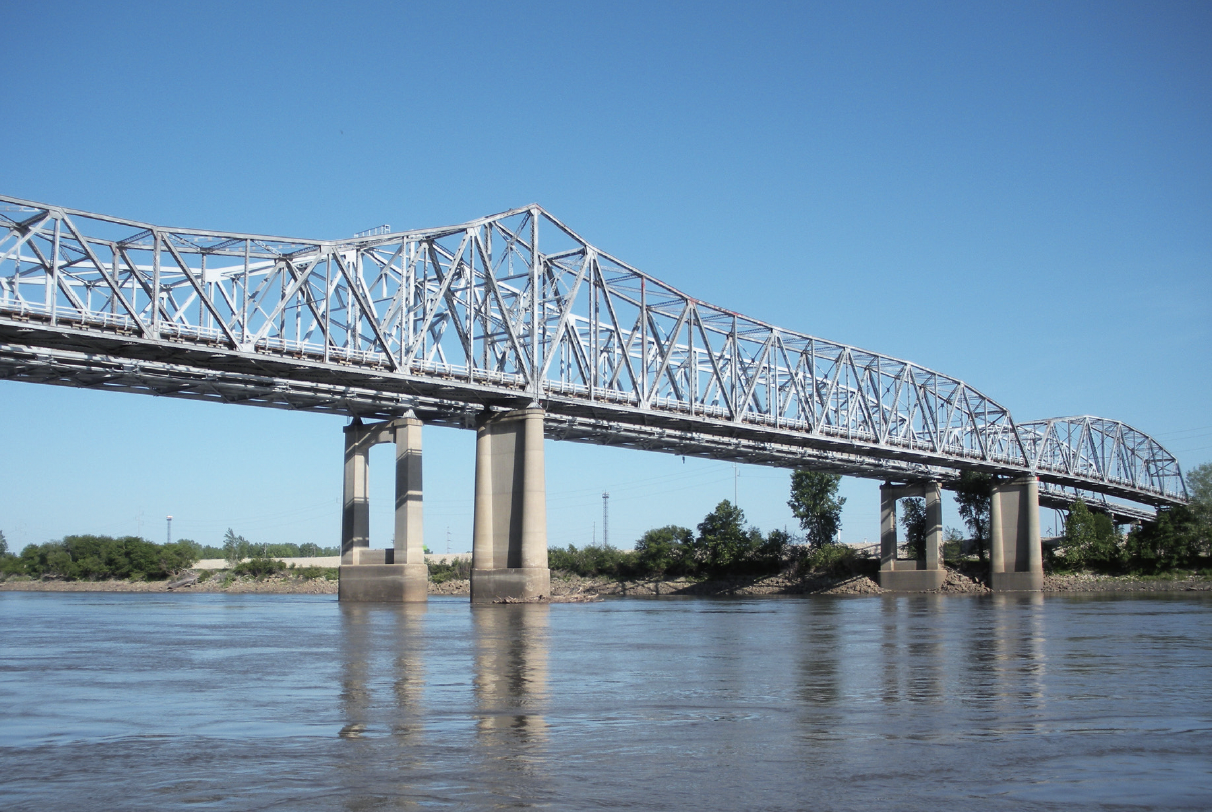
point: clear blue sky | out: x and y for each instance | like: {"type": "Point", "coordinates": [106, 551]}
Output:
{"type": "Point", "coordinates": [1016, 194]}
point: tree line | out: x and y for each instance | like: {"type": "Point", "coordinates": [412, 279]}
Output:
{"type": "Point", "coordinates": [99, 558]}
{"type": "Point", "coordinates": [1180, 538]}
{"type": "Point", "coordinates": [724, 545]}
{"type": "Point", "coordinates": [236, 548]}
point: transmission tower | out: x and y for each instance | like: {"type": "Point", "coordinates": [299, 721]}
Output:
{"type": "Point", "coordinates": [605, 519]}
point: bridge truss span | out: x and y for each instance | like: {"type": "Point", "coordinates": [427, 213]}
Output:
{"type": "Point", "coordinates": [505, 311]}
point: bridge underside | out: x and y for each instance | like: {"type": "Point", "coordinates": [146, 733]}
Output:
{"type": "Point", "coordinates": [64, 356]}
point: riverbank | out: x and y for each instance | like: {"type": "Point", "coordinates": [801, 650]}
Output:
{"type": "Point", "coordinates": [575, 588]}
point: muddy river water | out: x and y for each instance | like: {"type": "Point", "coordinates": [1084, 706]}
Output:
{"type": "Point", "coordinates": [243, 702]}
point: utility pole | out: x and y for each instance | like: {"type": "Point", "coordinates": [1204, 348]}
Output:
{"type": "Point", "coordinates": [605, 519]}
{"type": "Point", "coordinates": [170, 530]}
{"type": "Point", "coordinates": [734, 476]}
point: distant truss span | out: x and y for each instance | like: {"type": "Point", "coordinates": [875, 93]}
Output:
{"type": "Point", "coordinates": [504, 311]}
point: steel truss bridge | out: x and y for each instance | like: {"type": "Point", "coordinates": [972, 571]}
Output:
{"type": "Point", "coordinates": [502, 312]}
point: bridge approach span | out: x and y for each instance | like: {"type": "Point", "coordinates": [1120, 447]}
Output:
{"type": "Point", "coordinates": [501, 313]}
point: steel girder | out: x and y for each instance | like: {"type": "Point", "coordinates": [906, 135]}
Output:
{"type": "Point", "coordinates": [506, 310]}
{"type": "Point", "coordinates": [1101, 450]}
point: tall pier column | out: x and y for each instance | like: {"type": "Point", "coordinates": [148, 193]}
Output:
{"type": "Point", "coordinates": [398, 574]}
{"type": "Point", "coordinates": [355, 501]}
{"type": "Point", "coordinates": [509, 535]}
{"type": "Point", "coordinates": [1015, 556]}
{"type": "Point", "coordinates": [409, 546]}
{"type": "Point", "coordinates": [911, 574]}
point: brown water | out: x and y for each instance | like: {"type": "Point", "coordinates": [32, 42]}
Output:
{"type": "Point", "coordinates": [121, 701]}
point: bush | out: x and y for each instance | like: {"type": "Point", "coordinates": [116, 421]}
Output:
{"type": "Point", "coordinates": [312, 573]}
{"type": "Point", "coordinates": [837, 560]}
{"type": "Point", "coordinates": [259, 567]}
{"type": "Point", "coordinates": [457, 570]}
{"type": "Point", "coordinates": [593, 561]}
{"type": "Point", "coordinates": [11, 565]}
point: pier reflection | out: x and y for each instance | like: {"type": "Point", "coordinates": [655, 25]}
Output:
{"type": "Point", "coordinates": [1006, 658]}
{"type": "Point", "coordinates": [382, 686]}
{"type": "Point", "coordinates": [510, 694]}
{"type": "Point", "coordinates": [819, 684]}
{"type": "Point", "coordinates": [382, 670]}
{"type": "Point", "coordinates": [511, 672]}
{"type": "Point", "coordinates": [1020, 646]}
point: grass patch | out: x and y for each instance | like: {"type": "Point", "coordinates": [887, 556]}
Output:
{"type": "Point", "coordinates": [1171, 575]}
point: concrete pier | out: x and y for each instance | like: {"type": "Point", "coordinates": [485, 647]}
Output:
{"type": "Point", "coordinates": [509, 536]}
{"type": "Point", "coordinates": [911, 574]}
{"type": "Point", "coordinates": [1015, 556]}
{"type": "Point", "coordinates": [398, 574]}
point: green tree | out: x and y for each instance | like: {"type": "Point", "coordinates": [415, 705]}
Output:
{"type": "Point", "coordinates": [3, 545]}
{"type": "Point", "coordinates": [974, 498]}
{"type": "Point", "coordinates": [1090, 541]}
{"type": "Point", "coordinates": [235, 548]}
{"type": "Point", "coordinates": [723, 545]}
{"type": "Point", "coordinates": [953, 544]}
{"type": "Point", "coordinates": [665, 550]}
{"type": "Point", "coordinates": [192, 547]}
{"type": "Point", "coordinates": [59, 562]}
{"type": "Point", "coordinates": [1172, 541]}
{"type": "Point", "coordinates": [178, 556]}
{"type": "Point", "coordinates": [773, 551]}
{"type": "Point", "coordinates": [1199, 489]}
{"type": "Point", "coordinates": [814, 501]}
{"type": "Point", "coordinates": [913, 519]}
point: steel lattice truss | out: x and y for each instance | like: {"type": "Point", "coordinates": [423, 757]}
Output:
{"type": "Point", "coordinates": [1098, 449]}
{"type": "Point", "coordinates": [502, 311]}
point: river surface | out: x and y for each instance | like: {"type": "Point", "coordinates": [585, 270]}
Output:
{"type": "Point", "coordinates": [242, 702]}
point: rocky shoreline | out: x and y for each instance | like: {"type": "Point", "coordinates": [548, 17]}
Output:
{"type": "Point", "coordinates": [575, 589]}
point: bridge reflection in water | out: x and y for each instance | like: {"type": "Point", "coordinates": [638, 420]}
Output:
{"type": "Point", "coordinates": [273, 702]}
{"type": "Point", "coordinates": [388, 694]}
